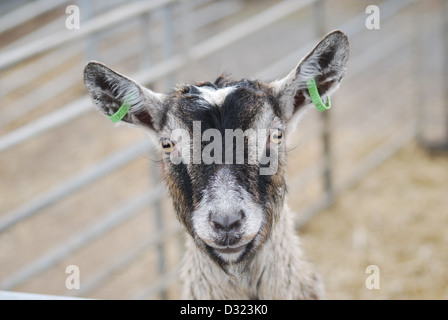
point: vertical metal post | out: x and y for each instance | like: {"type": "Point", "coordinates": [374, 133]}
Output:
{"type": "Point", "coordinates": [441, 145]}
{"type": "Point", "coordinates": [168, 49]}
{"type": "Point", "coordinates": [444, 15]}
{"type": "Point", "coordinates": [145, 57]}
{"type": "Point", "coordinates": [158, 213]}
{"type": "Point", "coordinates": [419, 97]}
{"type": "Point", "coordinates": [187, 40]}
{"type": "Point", "coordinates": [168, 42]}
{"type": "Point", "coordinates": [86, 13]}
{"type": "Point", "coordinates": [320, 29]}
{"type": "Point", "coordinates": [145, 62]}
{"type": "Point", "coordinates": [187, 30]}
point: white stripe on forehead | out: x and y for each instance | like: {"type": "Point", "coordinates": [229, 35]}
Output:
{"type": "Point", "coordinates": [214, 96]}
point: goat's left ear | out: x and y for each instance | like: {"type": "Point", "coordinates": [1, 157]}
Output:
{"type": "Point", "coordinates": [325, 63]}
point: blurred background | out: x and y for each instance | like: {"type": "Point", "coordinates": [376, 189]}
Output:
{"type": "Point", "coordinates": [368, 179]}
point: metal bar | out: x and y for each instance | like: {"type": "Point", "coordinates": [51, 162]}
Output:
{"type": "Point", "coordinates": [30, 72]}
{"type": "Point", "coordinates": [388, 9]}
{"type": "Point", "coordinates": [38, 96]}
{"type": "Point", "coordinates": [80, 239]}
{"type": "Point", "coordinates": [28, 12]}
{"type": "Point", "coordinates": [145, 53]}
{"type": "Point", "coordinates": [375, 158]}
{"type": "Point", "coordinates": [382, 50]}
{"type": "Point", "coordinates": [325, 117]}
{"type": "Point", "coordinates": [357, 65]}
{"type": "Point", "coordinates": [211, 13]}
{"type": "Point", "coordinates": [442, 144]}
{"type": "Point", "coordinates": [46, 123]}
{"type": "Point", "coordinates": [201, 50]}
{"type": "Point", "coordinates": [109, 19]}
{"type": "Point", "coordinates": [419, 92]}
{"type": "Point", "coordinates": [351, 28]}
{"type": "Point", "coordinates": [161, 284]}
{"type": "Point", "coordinates": [56, 85]}
{"type": "Point", "coordinates": [445, 67]}
{"type": "Point", "coordinates": [127, 258]}
{"type": "Point", "coordinates": [168, 40]}
{"type": "Point", "coordinates": [91, 43]}
{"type": "Point", "coordinates": [168, 51]}
{"type": "Point", "coordinates": [372, 161]}
{"type": "Point", "coordinates": [75, 183]}
{"type": "Point", "coordinates": [317, 169]}
{"type": "Point", "coordinates": [159, 225]}
{"type": "Point", "coordinates": [43, 31]}
{"type": "Point", "coordinates": [247, 27]}
{"type": "Point", "coordinates": [9, 295]}
{"type": "Point", "coordinates": [223, 39]}
{"type": "Point", "coordinates": [378, 156]}
{"type": "Point", "coordinates": [185, 25]}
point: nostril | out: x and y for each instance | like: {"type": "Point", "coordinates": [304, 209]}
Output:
{"type": "Point", "coordinates": [227, 222]}
{"type": "Point", "coordinates": [218, 226]}
{"type": "Point", "coordinates": [234, 226]}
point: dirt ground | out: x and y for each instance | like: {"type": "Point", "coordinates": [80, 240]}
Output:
{"type": "Point", "coordinates": [396, 219]}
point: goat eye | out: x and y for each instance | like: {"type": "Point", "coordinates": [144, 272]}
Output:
{"type": "Point", "coordinates": [167, 145]}
{"type": "Point", "coordinates": [276, 136]}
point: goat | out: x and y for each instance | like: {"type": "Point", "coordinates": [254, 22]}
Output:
{"type": "Point", "coordinates": [242, 243]}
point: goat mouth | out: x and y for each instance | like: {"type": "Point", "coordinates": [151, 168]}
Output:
{"type": "Point", "coordinates": [228, 250]}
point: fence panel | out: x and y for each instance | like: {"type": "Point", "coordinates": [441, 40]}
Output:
{"type": "Point", "coordinates": [57, 213]}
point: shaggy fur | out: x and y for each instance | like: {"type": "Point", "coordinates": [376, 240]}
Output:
{"type": "Point", "coordinates": [279, 270]}
{"type": "Point", "coordinates": [242, 243]}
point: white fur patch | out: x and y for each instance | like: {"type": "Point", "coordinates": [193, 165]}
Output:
{"type": "Point", "coordinates": [214, 96]}
{"type": "Point", "coordinates": [224, 195]}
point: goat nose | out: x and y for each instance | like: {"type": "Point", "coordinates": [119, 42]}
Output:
{"type": "Point", "coordinates": [227, 223]}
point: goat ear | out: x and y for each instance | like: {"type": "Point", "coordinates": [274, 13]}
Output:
{"type": "Point", "coordinates": [109, 89]}
{"type": "Point", "coordinates": [325, 63]}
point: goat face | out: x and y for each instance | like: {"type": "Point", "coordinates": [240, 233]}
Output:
{"type": "Point", "coordinates": [227, 180]}
{"type": "Point", "coordinates": [223, 144]}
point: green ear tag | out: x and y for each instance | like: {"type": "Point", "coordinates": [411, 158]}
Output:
{"type": "Point", "coordinates": [117, 116]}
{"type": "Point", "coordinates": [315, 97]}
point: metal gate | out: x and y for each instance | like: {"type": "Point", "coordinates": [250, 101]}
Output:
{"type": "Point", "coordinates": [72, 191]}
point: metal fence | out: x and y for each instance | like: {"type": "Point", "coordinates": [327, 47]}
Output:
{"type": "Point", "coordinates": [159, 43]}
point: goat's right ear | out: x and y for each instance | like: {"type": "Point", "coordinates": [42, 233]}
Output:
{"type": "Point", "coordinates": [109, 89]}
{"type": "Point", "coordinates": [325, 63]}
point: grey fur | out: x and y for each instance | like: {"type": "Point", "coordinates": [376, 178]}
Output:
{"type": "Point", "coordinates": [271, 264]}
{"type": "Point", "coordinates": [278, 271]}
